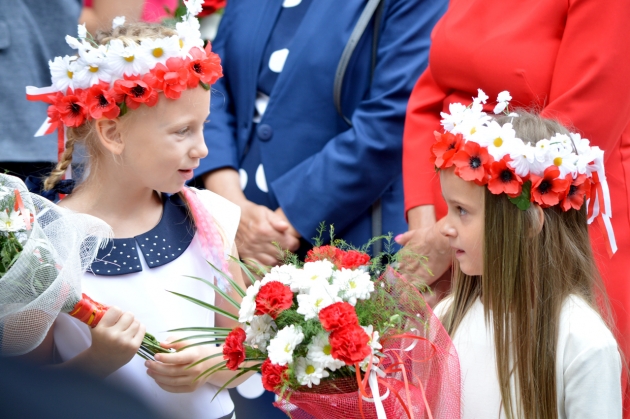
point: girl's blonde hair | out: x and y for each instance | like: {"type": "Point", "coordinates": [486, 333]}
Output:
{"type": "Point", "coordinates": [128, 33]}
{"type": "Point", "coordinates": [528, 272]}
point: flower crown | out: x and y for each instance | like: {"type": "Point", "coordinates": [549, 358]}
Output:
{"type": "Point", "coordinates": [104, 81]}
{"type": "Point", "coordinates": [562, 170]}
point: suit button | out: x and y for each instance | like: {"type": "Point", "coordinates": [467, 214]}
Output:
{"type": "Point", "coordinates": [264, 132]}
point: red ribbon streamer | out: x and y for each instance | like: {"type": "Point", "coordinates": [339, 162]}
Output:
{"type": "Point", "coordinates": [89, 311]}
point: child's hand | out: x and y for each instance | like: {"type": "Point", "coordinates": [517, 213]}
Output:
{"type": "Point", "coordinates": [170, 373]}
{"type": "Point", "coordinates": [115, 340]}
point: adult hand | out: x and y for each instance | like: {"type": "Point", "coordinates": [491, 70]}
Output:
{"type": "Point", "coordinates": [424, 239]}
{"type": "Point", "coordinates": [115, 340]}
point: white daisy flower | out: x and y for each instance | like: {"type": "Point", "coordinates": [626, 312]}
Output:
{"type": "Point", "coordinates": [319, 296]}
{"type": "Point", "coordinates": [353, 284]}
{"type": "Point", "coordinates": [311, 274]}
{"type": "Point", "coordinates": [189, 34]}
{"type": "Point", "coordinates": [161, 49]}
{"type": "Point", "coordinates": [118, 21]}
{"type": "Point", "coordinates": [309, 372]}
{"type": "Point", "coordinates": [194, 6]}
{"type": "Point", "coordinates": [62, 71]}
{"type": "Point", "coordinates": [482, 97]}
{"type": "Point", "coordinates": [319, 350]}
{"type": "Point", "coordinates": [248, 305]}
{"type": "Point", "coordinates": [504, 96]}
{"type": "Point", "coordinates": [374, 345]}
{"type": "Point", "coordinates": [286, 274]}
{"type": "Point", "coordinates": [280, 348]}
{"type": "Point", "coordinates": [499, 139]}
{"type": "Point", "coordinates": [74, 43]}
{"type": "Point", "coordinates": [454, 117]}
{"type": "Point", "coordinates": [126, 59]}
{"type": "Point", "coordinates": [82, 31]}
{"type": "Point", "coordinates": [91, 68]}
{"type": "Point", "coordinates": [11, 222]}
{"type": "Point", "coordinates": [562, 140]}
{"type": "Point", "coordinates": [259, 331]}
{"type": "Point", "coordinates": [522, 158]}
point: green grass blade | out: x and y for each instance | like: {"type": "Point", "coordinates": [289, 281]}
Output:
{"type": "Point", "coordinates": [206, 305]}
{"type": "Point", "coordinates": [234, 285]}
{"type": "Point", "coordinates": [244, 371]}
{"type": "Point", "coordinates": [223, 336]}
{"type": "Point", "coordinates": [205, 342]}
{"type": "Point", "coordinates": [212, 369]}
{"type": "Point", "coordinates": [217, 290]}
{"type": "Point", "coordinates": [245, 269]}
{"type": "Point", "coordinates": [201, 329]}
{"type": "Point", "coordinates": [203, 360]}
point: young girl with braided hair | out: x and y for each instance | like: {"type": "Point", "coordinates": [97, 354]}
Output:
{"type": "Point", "coordinates": [527, 308]}
{"type": "Point", "coordinates": [136, 99]}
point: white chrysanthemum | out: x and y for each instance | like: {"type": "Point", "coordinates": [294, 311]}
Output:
{"type": "Point", "coordinates": [354, 284]}
{"type": "Point", "coordinates": [522, 158]}
{"type": "Point", "coordinates": [118, 21]}
{"type": "Point", "coordinates": [161, 49]}
{"type": "Point", "coordinates": [312, 273]}
{"type": "Point", "coordinates": [62, 71]}
{"type": "Point", "coordinates": [127, 60]}
{"type": "Point", "coordinates": [286, 274]}
{"type": "Point", "coordinates": [259, 331]}
{"type": "Point", "coordinates": [319, 350]}
{"type": "Point", "coordinates": [309, 372]}
{"type": "Point", "coordinates": [280, 348]}
{"type": "Point", "coordinates": [319, 296]}
{"type": "Point", "coordinates": [499, 139]}
{"type": "Point", "coordinates": [91, 68]}
{"type": "Point", "coordinates": [248, 305]}
{"type": "Point", "coordinates": [11, 222]}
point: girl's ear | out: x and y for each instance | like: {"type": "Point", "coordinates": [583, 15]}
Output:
{"type": "Point", "coordinates": [108, 132]}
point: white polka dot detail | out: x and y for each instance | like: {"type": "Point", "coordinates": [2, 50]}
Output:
{"type": "Point", "coordinates": [291, 3]}
{"type": "Point", "coordinates": [261, 181]}
{"type": "Point", "coordinates": [242, 177]}
{"type": "Point", "coordinates": [252, 388]}
{"type": "Point", "coordinates": [277, 60]}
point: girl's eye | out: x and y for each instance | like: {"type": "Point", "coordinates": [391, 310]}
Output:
{"type": "Point", "coordinates": [462, 211]}
{"type": "Point", "coordinates": [183, 131]}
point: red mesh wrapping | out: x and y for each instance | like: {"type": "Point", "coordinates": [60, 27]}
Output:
{"type": "Point", "coordinates": [423, 354]}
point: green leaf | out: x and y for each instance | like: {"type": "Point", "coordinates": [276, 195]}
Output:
{"type": "Point", "coordinates": [211, 369]}
{"type": "Point", "coordinates": [522, 201]}
{"type": "Point", "coordinates": [206, 305]}
{"type": "Point", "coordinates": [234, 285]}
{"type": "Point", "coordinates": [203, 360]}
{"type": "Point", "coordinates": [217, 289]}
{"type": "Point", "coordinates": [123, 108]}
{"type": "Point", "coordinates": [201, 329]}
{"type": "Point", "coordinates": [205, 342]}
{"type": "Point", "coordinates": [206, 86]}
{"type": "Point", "coordinates": [244, 371]}
{"type": "Point", "coordinates": [213, 336]}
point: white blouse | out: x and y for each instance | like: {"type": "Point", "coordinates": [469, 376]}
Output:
{"type": "Point", "coordinates": [588, 364]}
{"type": "Point", "coordinates": [144, 293]}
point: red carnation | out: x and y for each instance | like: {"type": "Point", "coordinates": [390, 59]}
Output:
{"type": "Point", "coordinates": [101, 102]}
{"type": "Point", "coordinates": [70, 109]}
{"type": "Point", "coordinates": [329, 253]}
{"type": "Point", "coordinates": [134, 91]}
{"type": "Point", "coordinates": [171, 78]}
{"type": "Point", "coordinates": [548, 190]}
{"type": "Point", "coordinates": [352, 259]}
{"type": "Point", "coordinates": [579, 189]}
{"type": "Point", "coordinates": [273, 375]}
{"type": "Point", "coordinates": [204, 67]}
{"type": "Point", "coordinates": [447, 145]}
{"type": "Point", "coordinates": [210, 7]}
{"type": "Point", "coordinates": [503, 179]}
{"type": "Point", "coordinates": [349, 344]}
{"type": "Point", "coordinates": [233, 349]}
{"type": "Point", "coordinates": [338, 315]}
{"type": "Point", "coordinates": [472, 163]}
{"type": "Point", "coordinates": [273, 298]}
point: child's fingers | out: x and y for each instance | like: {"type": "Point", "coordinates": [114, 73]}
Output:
{"type": "Point", "coordinates": [165, 369]}
{"type": "Point", "coordinates": [138, 333]}
{"type": "Point", "coordinates": [183, 357]}
{"type": "Point", "coordinates": [110, 317]}
{"type": "Point", "coordinates": [169, 380]}
{"type": "Point", "coordinates": [125, 321]}
{"type": "Point", "coordinates": [174, 389]}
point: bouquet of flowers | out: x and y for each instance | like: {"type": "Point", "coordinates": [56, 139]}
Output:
{"type": "Point", "coordinates": [44, 251]}
{"type": "Point", "coordinates": [340, 336]}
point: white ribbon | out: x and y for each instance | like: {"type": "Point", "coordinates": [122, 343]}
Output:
{"type": "Point", "coordinates": [377, 399]}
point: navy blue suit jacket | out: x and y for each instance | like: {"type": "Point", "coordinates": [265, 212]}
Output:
{"type": "Point", "coordinates": [317, 167]}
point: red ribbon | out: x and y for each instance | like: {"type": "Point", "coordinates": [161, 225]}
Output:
{"type": "Point", "coordinates": [88, 311]}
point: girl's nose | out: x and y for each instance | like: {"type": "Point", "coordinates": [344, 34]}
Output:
{"type": "Point", "coordinates": [199, 150]}
{"type": "Point", "coordinates": [447, 229]}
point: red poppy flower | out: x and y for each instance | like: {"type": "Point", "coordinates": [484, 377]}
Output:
{"type": "Point", "coordinates": [447, 145]}
{"type": "Point", "coordinates": [273, 376]}
{"type": "Point", "coordinates": [547, 190]}
{"type": "Point", "coordinates": [503, 179]}
{"type": "Point", "coordinates": [101, 102]}
{"type": "Point", "coordinates": [329, 253]}
{"type": "Point", "coordinates": [273, 298]}
{"type": "Point", "coordinates": [204, 67]}
{"type": "Point", "coordinates": [338, 315]}
{"type": "Point", "coordinates": [70, 109]}
{"type": "Point", "coordinates": [579, 189]}
{"type": "Point", "coordinates": [472, 163]}
{"type": "Point", "coordinates": [135, 91]}
{"type": "Point", "coordinates": [171, 78]}
{"type": "Point", "coordinates": [233, 349]}
{"type": "Point", "coordinates": [349, 344]}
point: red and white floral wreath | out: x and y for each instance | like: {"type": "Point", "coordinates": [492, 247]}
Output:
{"type": "Point", "coordinates": [104, 81]}
{"type": "Point", "coordinates": [562, 170]}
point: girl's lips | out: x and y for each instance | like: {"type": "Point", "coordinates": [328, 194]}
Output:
{"type": "Point", "coordinates": [186, 174]}
{"type": "Point", "coordinates": [459, 252]}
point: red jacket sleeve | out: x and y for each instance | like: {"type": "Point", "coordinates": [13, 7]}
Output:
{"type": "Point", "coordinates": [590, 86]}
{"type": "Point", "coordinates": [421, 182]}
